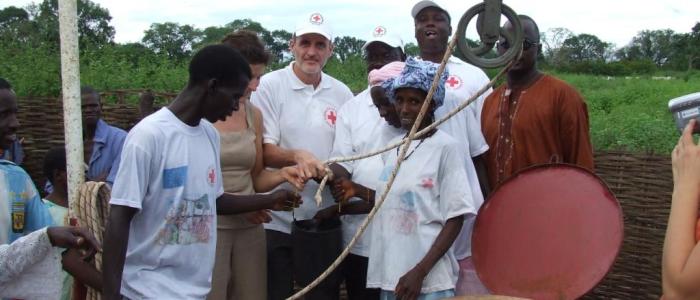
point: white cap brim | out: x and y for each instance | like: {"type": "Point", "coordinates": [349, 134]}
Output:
{"type": "Point", "coordinates": [393, 42]}
{"type": "Point", "coordinates": [423, 5]}
{"type": "Point", "coordinates": [304, 31]}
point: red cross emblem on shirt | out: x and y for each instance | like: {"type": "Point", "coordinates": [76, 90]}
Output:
{"type": "Point", "coordinates": [454, 82]}
{"type": "Point", "coordinates": [330, 116]}
{"type": "Point", "coordinates": [316, 19]}
{"type": "Point", "coordinates": [379, 31]}
{"type": "Point", "coordinates": [211, 176]}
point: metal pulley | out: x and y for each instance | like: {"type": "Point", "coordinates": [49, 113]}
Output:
{"type": "Point", "coordinates": [488, 25]}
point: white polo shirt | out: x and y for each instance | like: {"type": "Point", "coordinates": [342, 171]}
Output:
{"type": "Point", "coordinates": [360, 129]}
{"type": "Point", "coordinates": [297, 116]}
{"type": "Point", "coordinates": [465, 80]}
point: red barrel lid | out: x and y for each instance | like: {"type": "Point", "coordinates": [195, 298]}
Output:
{"type": "Point", "coordinates": [548, 232]}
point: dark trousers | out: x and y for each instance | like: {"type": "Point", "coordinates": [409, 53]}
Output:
{"type": "Point", "coordinates": [354, 270]}
{"type": "Point", "coordinates": [280, 271]}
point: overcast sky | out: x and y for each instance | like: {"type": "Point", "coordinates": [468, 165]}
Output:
{"type": "Point", "coordinates": [615, 21]}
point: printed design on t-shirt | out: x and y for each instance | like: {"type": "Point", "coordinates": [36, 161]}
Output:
{"type": "Point", "coordinates": [453, 82]}
{"type": "Point", "coordinates": [190, 222]}
{"type": "Point", "coordinates": [331, 116]}
{"type": "Point", "coordinates": [427, 183]}
{"type": "Point", "coordinates": [211, 175]}
{"type": "Point", "coordinates": [386, 172]}
{"type": "Point", "coordinates": [174, 177]}
{"type": "Point", "coordinates": [405, 218]}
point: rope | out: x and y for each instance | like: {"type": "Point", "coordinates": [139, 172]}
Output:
{"type": "Point", "coordinates": [406, 142]}
{"type": "Point", "coordinates": [91, 212]}
{"type": "Point", "coordinates": [421, 133]}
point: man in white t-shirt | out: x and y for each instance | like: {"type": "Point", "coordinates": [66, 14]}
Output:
{"type": "Point", "coordinates": [161, 235]}
{"type": "Point", "coordinates": [358, 130]}
{"type": "Point", "coordinates": [432, 31]}
{"type": "Point", "coordinates": [300, 107]}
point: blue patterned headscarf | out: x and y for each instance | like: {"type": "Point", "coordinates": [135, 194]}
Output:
{"type": "Point", "coordinates": [417, 74]}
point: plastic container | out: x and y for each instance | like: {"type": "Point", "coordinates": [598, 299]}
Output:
{"type": "Point", "coordinates": [315, 245]}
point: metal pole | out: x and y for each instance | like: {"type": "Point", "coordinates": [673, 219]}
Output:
{"type": "Point", "coordinates": [72, 119]}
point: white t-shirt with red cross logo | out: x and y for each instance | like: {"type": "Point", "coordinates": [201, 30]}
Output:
{"type": "Point", "coordinates": [298, 116]}
{"type": "Point", "coordinates": [465, 80]}
{"type": "Point", "coordinates": [171, 173]}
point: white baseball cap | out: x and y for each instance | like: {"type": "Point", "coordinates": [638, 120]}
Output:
{"type": "Point", "coordinates": [314, 23]}
{"type": "Point", "coordinates": [381, 34]}
{"type": "Point", "coordinates": [425, 4]}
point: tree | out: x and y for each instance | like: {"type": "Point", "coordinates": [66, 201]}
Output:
{"type": "Point", "coordinates": [552, 40]}
{"type": "Point", "coordinates": [687, 49]}
{"type": "Point", "coordinates": [15, 26]}
{"type": "Point", "coordinates": [584, 48]}
{"type": "Point", "coordinates": [654, 45]}
{"type": "Point", "coordinates": [411, 49]}
{"type": "Point", "coordinates": [93, 23]}
{"type": "Point", "coordinates": [347, 46]}
{"type": "Point", "coordinates": [172, 39]}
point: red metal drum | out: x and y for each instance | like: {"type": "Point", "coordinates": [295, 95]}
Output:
{"type": "Point", "coordinates": [549, 232]}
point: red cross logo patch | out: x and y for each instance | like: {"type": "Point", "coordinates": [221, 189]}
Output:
{"type": "Point", "coordinates": [454, 82]}
{"type": "Point", "coordinates": [379, 31]}
{"type": "Point", "coordinates": [316, 19]}
{"type": "Point", "coordinates": [211, 176]}
{"type": "Point", "coordinates": [330, 116]}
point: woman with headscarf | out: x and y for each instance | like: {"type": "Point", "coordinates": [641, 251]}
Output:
{"type": "Point", "coordinates": [410, 256]}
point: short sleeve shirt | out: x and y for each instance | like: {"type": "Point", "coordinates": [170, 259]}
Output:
{"type": "Point", "coordinates": [299, 116]}
{"type": "Point", "coordinates": [171, 173]}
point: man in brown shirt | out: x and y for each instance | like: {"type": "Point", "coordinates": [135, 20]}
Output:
{"type": "Point", "coordinates": [533, 118]}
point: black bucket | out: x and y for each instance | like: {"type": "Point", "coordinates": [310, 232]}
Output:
{"type": "Point", "coordinates": [315, 245]}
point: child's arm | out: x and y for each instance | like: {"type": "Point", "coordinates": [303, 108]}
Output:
{"type": "Point", "coordinates": [409, 285]}
{"type": "Point", "coordinates": [81, 270]}
{"type": "Point", "coordinates": [681, 256]}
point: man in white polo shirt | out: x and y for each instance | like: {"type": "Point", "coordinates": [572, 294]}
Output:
{"type": "Point", "coordinates": [300, 107]}
{"type": "Point", "coordinates": [361, 128]}
{"type": "Point", "coordinates": [432, 31]}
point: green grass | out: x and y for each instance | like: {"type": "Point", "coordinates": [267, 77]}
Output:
{"type": "Point", "coordinates": [631, 114]}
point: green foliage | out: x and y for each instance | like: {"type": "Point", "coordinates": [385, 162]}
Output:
{"type": "Point", "coordinates": [172, 39]}
{"type": "Point", "coordinates": [584, 48]}
{"type": "Point", "coordinates": [352, 72]}
{"type": "Point", "coordinates": [631, 113]}
{"type": "Point", "coordinates": [616, 68]}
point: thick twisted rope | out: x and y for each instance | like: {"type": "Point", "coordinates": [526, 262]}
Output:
{"type": "Point", "coordinates": [421, 133]}
{"type": "Point", "coordinates": [91, 212]}
{"type": "Point", "coordinates": [406, 144]}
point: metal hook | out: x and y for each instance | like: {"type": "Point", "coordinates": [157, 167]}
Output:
{"type": "Point", "coordinates": [488, 26]}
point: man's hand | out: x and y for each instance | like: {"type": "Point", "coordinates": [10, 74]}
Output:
{"type": "Point", "coordinates": [285, 200]}
{"type": "Point", "coordinates": [327, 213]}
{"type": "Point", "coordinates": [259, 217]}
{"type": "Point", "coordinates": [343, 189]}
{"type": "Point", "coordinates": [74, 237]}
{"type": "Point", "coordinates": [409, 285]}
{"type": "Point", "coordinates": [293, 175]}
{"type": "Point", "coordinates": [309, 166]}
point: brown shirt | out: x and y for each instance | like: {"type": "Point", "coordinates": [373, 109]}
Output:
{"type": "Point", "coordinates": [545, 122]}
